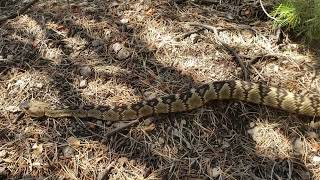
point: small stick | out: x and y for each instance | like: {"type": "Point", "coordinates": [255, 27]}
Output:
{"type": "Point", "coordinates": [235, 54]}
{"type": "Point", "coordinates": [122, 127]}
{"type": "Point", "coordinates": [131, 123]}
{"type": "Point", "coordinates": [19, 12]}
{"type": "Point", "coordinates": [84, 126]}
{"type": "Point", "coordinates": [259, 57]}
{"type": "Point", "coordinates": [104, 174]}
{"type": "Point", "coordinates": [20, 115]}
{"type": "Point", "coordinates": [183, 36]}
{"type": "Point", "coordinates": [225, 45]}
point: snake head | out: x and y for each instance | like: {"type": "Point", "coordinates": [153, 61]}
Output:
{"type": "Point", "coordinates": [34, 108]}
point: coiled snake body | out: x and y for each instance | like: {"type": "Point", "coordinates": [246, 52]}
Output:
{"type": "Point", "coordinates": [218, 90]}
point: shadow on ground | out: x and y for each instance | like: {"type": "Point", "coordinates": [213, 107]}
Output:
{"type": "Point", "coordinates": [192, 150]}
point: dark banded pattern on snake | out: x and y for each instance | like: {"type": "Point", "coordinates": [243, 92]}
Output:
{"type": "Point", "coordinates": [257, 93]}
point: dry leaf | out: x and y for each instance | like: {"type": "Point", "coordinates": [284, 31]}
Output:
{"type": "Point", "coordinates": [73, 141]}
{"type": "Point", "coordinates": [315, 145]}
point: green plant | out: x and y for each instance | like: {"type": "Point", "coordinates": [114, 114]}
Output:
{"type": "Point", "coordinates": [302, 16]}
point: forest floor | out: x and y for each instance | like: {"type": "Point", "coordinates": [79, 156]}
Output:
{"type": "Point", "coordinates": [116, 52]}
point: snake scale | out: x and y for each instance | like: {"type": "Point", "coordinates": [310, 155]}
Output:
{"type": "Point", "coordinates": [257, 93]}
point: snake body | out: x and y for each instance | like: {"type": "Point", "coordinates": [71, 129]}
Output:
{"type": "Point", "coordinates": [257, 93]}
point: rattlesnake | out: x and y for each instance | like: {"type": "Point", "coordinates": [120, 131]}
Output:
{"type": "Point", "coordinates": [257, 93]}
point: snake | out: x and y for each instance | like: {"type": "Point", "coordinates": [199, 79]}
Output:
{"type": "Point", "coordinates": [238, 90]}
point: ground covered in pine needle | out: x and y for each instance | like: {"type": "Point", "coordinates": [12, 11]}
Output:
{"type": "Point", "coordinates": [118, 52]}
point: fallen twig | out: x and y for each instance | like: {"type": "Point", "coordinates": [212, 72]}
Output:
{"type": "Point", "coordinates": [122, 127]}
{"type": "Point", "coordinates": [84, 126]}
{"type": "Point", "coordinates": [19, 12]}
{"type": "Point", "coordinates": [104, 174]}
{"type": "Point", "coordinates": [234, 53]}
{"type": "Point", "coordinates": [257, 58]}
{"type": "Point", "coordinates": [183, 36]}
{"type": "Point", "coordinates": [20, 115]}
{"type": "Point", "coordinates": [129, 124]}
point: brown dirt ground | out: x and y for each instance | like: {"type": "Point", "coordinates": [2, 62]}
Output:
{"type": "Point", "coordinates": [43, 51]}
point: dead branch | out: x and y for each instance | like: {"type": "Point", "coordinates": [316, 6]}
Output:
{"type": "Point", "coordinates": [104, 174]}
{"type": "Point", "coordinates": [183, 36]}
{"type": "Point", "coordinates": [20, 115]}
{"type": "Point", "coordinates": [261, 57]}
{"type": "Point", "coordinates": [225, 45]}
{"type": "Point", "coordinates": [85, 127]}
{"type": "Point", "coordinates": [122, 127]}
{"type": "Point", "coordinates": [129, 124]}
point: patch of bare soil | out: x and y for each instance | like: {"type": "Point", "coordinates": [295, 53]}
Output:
{"type": "Point", "coordinates": [116, 52]}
